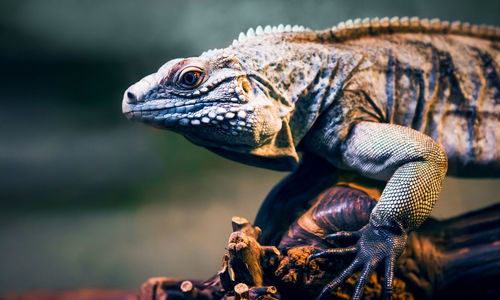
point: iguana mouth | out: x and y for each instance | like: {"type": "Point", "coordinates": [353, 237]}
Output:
{"type": "Point", "coordinates": [179, 106]}
{"type": "Point", "coordinates": [224, 114]}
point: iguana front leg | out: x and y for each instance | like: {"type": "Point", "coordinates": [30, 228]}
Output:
{"type": "Point", "coordinates": [414, 166]}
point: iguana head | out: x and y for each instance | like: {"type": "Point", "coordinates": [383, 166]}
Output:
{"type": "Point", "coordinates": [219, 100]}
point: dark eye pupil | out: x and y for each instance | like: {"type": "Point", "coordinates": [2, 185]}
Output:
{"type": "Point", "coordinates": [190, 78]}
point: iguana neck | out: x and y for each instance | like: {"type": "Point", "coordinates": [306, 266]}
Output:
{"type": "Point", "coordinates": [306, 77]}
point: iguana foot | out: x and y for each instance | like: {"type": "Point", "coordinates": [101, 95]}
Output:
{"type": "Point", "coordinates": [375, 244]}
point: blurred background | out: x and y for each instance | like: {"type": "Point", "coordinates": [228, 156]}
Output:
{"type": "Point", "coordinates": [89, 199]}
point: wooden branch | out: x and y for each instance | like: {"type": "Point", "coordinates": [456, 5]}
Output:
{"type": "Point", "coordinates": [432, 264]}
{"type": "Point", "coordinates": [189, 290]}
{"type": "Point", "coordinates": [241, 292]}
{"type": "Point", "coordinates": [245, 258]}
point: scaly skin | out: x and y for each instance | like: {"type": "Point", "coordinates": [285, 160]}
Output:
{"type": "Point", "coordinates": [394, 100]}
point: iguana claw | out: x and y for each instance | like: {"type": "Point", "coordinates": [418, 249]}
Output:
{"type": "Point", "coordinates": [375, 244]}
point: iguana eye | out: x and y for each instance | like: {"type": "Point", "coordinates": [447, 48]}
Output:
{"type": "Point", "coordinates": [190, 78]}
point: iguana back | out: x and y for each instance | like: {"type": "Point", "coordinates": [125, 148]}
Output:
{"type": "Point", "coordinates": [446, 86]}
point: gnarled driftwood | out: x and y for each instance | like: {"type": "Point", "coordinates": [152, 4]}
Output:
{"type": "Point", "coordinates": [459, 258]}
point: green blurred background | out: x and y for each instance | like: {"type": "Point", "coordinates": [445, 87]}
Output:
{"type": "Point", "coordinates": [89, 199]}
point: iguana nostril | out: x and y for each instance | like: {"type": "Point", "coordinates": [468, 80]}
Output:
{"type": "Point", "coordinates": [131, 97]}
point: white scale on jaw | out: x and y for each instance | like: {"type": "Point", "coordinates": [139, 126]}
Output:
{"type": "Point", "coordinates": [235, 116]}
{"type": "Point", "coordinates": [236, 121]}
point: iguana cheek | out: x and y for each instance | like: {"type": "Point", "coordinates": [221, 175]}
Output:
{"type": "Point", "coordinates": [268, 124]}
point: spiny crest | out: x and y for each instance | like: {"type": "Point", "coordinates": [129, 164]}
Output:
{"type": "Point", "coordinates": [259, 30]}
{"type": "Point", "coordinates": [363, 27]}
{"type": "Point", "coordinates": [352, 29]}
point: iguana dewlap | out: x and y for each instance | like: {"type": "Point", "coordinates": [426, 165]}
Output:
{"type": "Point", "coordinates": [397, 100]}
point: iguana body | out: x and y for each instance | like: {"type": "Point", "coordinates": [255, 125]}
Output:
{"type": "Point", "coordinates": [389, 99]}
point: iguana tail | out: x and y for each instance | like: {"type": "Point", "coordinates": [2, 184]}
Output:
{"type": "Point", "coordinates": [472, 255]}
{"type": "Point", "coordinates": [457, 258]}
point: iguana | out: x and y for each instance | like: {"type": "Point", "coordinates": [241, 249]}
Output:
{"type": "Point", "coordinates": [398, 100]}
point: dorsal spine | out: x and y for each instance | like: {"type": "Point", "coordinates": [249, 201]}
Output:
{"type": "Point", "coordinates": [368, 27]}
{"type": "Point", "coordinates": [352, 29]}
